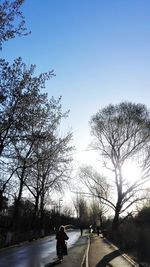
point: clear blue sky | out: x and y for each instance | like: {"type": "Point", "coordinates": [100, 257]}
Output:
{"type": "Point", "coordinates": [99, 50]}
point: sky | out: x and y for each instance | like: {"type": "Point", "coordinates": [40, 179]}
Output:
{"type": "Point", "coordinates": [100, 53]}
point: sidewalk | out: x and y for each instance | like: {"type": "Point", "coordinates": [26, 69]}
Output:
{"type": "Point", "coordinates": [104, 254]}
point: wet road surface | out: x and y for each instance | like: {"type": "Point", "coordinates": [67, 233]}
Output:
{"type": "Point", "coordinates": [34, 254]}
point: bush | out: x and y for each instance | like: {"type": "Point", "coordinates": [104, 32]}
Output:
{"type": "Point", "coordinates": [144, 243]}
{"type": "Point", "coordinates": [128, 235]}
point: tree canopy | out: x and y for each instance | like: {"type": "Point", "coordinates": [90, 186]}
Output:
{"type": "Point", "coordinates": [121, 133]}
{"type": "Point", "coordinates": [12, 22]}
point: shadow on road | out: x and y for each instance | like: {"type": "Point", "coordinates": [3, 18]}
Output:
{"type": "Point", "coordinates": [107, 258]}
{"type": "Point", "coordinates": [52, 263]}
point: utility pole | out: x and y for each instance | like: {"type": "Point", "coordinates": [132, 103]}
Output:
{"type": "Point", "coordinates": [60, 200]}
{"type": "Point", "coordinates": [59, 206]}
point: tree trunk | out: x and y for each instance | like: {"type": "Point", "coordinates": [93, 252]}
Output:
{"type": "Point", "coordinates": [42, 212]}
{"type": "Point", "coordinates": [17, 201]}
{"type": "Point", "coordinates": [115, 223]}
{"type": "Point", "coordinates": [16, 208]}
{"type": "Point", "coordinates": [35, 214]}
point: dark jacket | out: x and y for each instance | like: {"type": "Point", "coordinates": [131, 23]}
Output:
{"type": "Point", "coordinates": [61, 237]}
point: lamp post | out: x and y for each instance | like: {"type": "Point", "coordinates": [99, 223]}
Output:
{"type": "Point", "coordinates": [59, 207]}
{"type": "Point", "coordinates": [60, 200]}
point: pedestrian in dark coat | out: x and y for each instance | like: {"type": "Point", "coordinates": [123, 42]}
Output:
{"type": "Point", "coordinates": [61, 237]}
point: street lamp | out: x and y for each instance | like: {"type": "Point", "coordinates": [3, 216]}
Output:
{"type": "Point", "coordinates": [60, 200]}
{"type": "Point", "coordinates": [59, 206]}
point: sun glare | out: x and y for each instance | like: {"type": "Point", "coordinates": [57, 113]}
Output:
{"type": "Point", "coordinates": [131, 171]}
{"type": "Point", "coordinates": [85, 157]}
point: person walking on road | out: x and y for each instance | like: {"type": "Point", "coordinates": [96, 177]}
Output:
{"type": "Point", "coordinates": [81, 230]}
{"type": "Point", "coordinates": [61, 246]}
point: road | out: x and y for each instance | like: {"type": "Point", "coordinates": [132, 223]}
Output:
{"type": "Point", "coordinates": [34, 254]}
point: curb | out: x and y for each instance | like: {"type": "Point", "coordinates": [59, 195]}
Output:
{"type": "Point", "coordinates": [87, 254]}
{"type": "Point", "coordinates": [85, 260]}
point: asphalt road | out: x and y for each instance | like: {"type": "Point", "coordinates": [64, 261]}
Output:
{"type": "Point", "coordinates": [34, 254]}
{"type": "Point", "coordinates": [42, 253]}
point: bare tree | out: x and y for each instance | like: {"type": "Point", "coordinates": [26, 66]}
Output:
{"type": "Point", "coordinates": [96, 183]}
{"type": "Point", "coordinates": [51, 170]}
{"type": "Point", "coordinates": [18, 88]}
{"type": "Point", "coordinates": [82, 209]}
{"type": "Point", "coordinates": [12, 22]}
{"type": "Point", "coordinates": [68, 211]}
{"type": "Point", "coordinates": [19, 106]}
{"type": "Point", "coordinates": [22, 117]}
{"type": "Point", "coordinates": [98, 189]}
{"type": "Point", "coordinates": [97, 213]}
{"type": "Point", "coordinates": [122, 133]}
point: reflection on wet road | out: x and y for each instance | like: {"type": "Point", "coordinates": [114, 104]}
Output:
{"type": "Point", "coordinates": [35, 253]}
